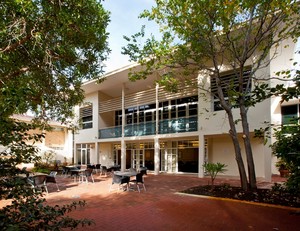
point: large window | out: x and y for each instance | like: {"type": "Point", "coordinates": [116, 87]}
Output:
{"type": "Point", "coordinates": [229, 83]}
{"type": "Point", "coordinates": [289, 114]}
{"type": "Point", "coordinates": [170, 109]}
{"type": "Point", "coordinates": [86, 116]}
{"type": "Point", "coordinates": [177, 108]}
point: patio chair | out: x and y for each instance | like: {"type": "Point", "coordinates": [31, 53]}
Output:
{"type": "Point", "coordinates": [92, 166]}
{"type": "Point", "coordinates": [98, 168]}
{"type": "Point", "coordinates": [51, 178]}
{"type": "Point", "coordinates": [65, 170]}
{"type": "Point", "coordinates": [74, 173]}
{"type": "Point", "coordinates": [87, 173]}
{"type": "Point", "coordinates": [103, 170]}
{"type": "Point", "coordinates": [119, 181]}
{"type": "Point", "coordinates": [138, 180]}
{"type": "Point", "coordinates": [38, 182]}
{"type": "Point", "coordinates": [143, 170]}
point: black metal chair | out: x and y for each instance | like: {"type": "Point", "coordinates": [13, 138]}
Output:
{"type": "Point", "coordinates": [65, 170]}
{"type": "Point", "coordinates": [87, 173]}
{"type": "Point", "coordinates": [98, 168]}
{"type": "Point", "coordinates": [51, 178]}
{"type": "Point", "coordinates": [103, 170]}
{"type": "Point", "coordinates": [120, 181]}
{"type": "Point", "coordinates": [38, 182]}
{"type": "Point", "coordinates": [74, 172]}
{"type": "Point", "coordinates": [139, 179]}
{"type": "Point", "coordinates": [143, 170]}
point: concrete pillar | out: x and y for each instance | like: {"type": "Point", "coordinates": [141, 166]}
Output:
{"type": "Point", "coordinates": [123, 145]}
{"type": "Point", "coordinates": [201, 155]}
{"type": "Point", "coordinates": [156, 156]}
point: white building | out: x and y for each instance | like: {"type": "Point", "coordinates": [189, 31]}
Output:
{"type": "Point", "coordinates": [135, 124]}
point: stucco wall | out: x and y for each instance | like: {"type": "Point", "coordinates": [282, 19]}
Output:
{"type": "Point", "coordinates": [106, 154]}
{"type": "Point", "coordinates": [220, 149]}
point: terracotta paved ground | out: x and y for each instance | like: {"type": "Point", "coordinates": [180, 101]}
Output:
{"type": "Point", "coordinates": [161, 209]}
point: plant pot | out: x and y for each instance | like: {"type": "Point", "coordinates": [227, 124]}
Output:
{"type": "Point", "coordinates": [284, 172]}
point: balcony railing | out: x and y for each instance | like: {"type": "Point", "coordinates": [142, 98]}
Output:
{"type": "Point", "coordinates": [178, 125]}
{"type": "Point", "coordinates": [144, 129]}
{"type": "Point", "coordinates": [112, 132]}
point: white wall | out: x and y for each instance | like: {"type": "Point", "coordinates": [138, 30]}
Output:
{"type": "Point", "coordinates": [91, 134]}
{"type": "Point", "coordinates": [106, 154]}
{"type": "Point", "coordinates": [220, 149]}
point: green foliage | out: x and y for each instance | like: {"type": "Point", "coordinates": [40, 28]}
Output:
{"type": "Point", "coordinates": [47, 49]}
{"type": "Point", "coordinates": [32, 214]}
{"type": "Point", "coordinates": [48, 157]}
{"type": "Point", "coordinates": [287, 149]}
{"type": "Point", "coordinates": [213, 169]}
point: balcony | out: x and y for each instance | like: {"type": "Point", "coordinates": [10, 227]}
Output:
{"type": "Point", "coordinates": [178, 125]}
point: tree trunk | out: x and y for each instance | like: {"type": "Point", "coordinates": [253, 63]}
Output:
{"type": "Point", "coordinates": [238, 155]}
{"type": "Point", "coordinates": [248, 149]}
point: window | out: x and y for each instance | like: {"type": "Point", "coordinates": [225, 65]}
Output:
{"type": "Point", "coordinates": [229, 82]}
{"type": "Point", "coordinates": [86, 115]}
{"type": "Point", "coordinates": [118, 118]}
{"type": "Point", "coordinates": [289, 114]}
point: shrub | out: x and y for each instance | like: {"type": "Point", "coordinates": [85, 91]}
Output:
{"type": "Point", "coordinates": [213, 169]}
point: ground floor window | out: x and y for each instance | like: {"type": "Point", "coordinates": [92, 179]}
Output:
{"type": "Point", "coordinates": [175, 156]}
{"type": "Point", "coordinates": [83, 154]}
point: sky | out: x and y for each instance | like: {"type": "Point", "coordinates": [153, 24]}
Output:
{"type": "Point", "coordinates": [125, 21]}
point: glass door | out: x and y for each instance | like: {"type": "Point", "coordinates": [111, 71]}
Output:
{"type": "Point", "coordinates": [137, 158]}
{"type": "Point", "coordinates": [169, 160]}
{"type": "Point", "coordinates": [83, 154]}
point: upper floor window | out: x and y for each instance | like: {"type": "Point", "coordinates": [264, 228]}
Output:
{"type": "Point", "coordinates": [229, 82]}
{"type": "Point", "coordinates": [86, 116]}
{"type": "Point", "coordinates": [290, 114]}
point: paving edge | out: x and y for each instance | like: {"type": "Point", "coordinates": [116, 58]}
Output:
{"type": "Point", "coordinates": [240, 201]}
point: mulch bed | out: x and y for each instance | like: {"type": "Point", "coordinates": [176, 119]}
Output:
{"type": "Point", "coordinates": [259, 195]}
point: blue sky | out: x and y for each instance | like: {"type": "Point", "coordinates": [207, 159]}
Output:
{"type": "Point", "coordinates": [125, 21]}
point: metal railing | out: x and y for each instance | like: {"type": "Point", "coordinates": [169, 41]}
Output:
{"type": "Point", "coordinates": [178, 125]}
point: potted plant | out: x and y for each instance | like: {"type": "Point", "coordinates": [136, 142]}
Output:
{"type": "Point", "coordinates": [282, 168]}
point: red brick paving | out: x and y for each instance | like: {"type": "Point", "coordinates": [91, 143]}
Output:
{"type": "Point", "coordinates": [161, 209]}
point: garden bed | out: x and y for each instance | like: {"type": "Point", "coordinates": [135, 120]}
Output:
{"type": "Point", "coordinates": [269, 196]}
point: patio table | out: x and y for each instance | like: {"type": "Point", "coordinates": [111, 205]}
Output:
{"type": "Point", "coordinates": [125, 174]}
{"type": "Point", "coordinates": [76, 172]}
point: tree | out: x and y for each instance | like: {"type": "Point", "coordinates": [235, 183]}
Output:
{"type": "Point", "coordinates": [47, 48]}
{"type": "Point", "coordinates": [212, 36]}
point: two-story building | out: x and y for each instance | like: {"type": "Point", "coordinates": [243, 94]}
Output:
{"type": "Point", "coordinates": [135, 124]}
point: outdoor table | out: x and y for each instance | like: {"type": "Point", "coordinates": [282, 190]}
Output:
{"type": "Point", "coordinates": [126, 173]}
{"type": "Point", "coordinates": [76, 172]}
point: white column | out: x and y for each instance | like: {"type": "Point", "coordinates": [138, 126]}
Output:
{"type": "Point", "coordinates": [97, 153]}
{"type": "Point", "coordinates": [201, 155]}
{"type": "Point", "coordinates": [156, 156]}
{"type": "Point", "coordinates": [123, 145]}
{"type": "Point", "coordinates": [268, 161]}
{"type": "Point", "coordinates": [156, 140]}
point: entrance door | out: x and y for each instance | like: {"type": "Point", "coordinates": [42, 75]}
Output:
{"type": "Point", "coordinates": [169, 160]}
{"type": "Point", "coordinates": [83, 154]}
{"type": "Point", "coordinates": [137, 158]}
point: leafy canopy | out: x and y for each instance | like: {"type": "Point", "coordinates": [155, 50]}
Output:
{"type": "Point", "coordinates": [47, 49]}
